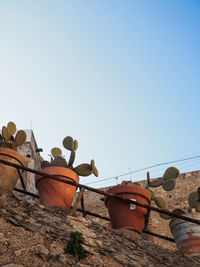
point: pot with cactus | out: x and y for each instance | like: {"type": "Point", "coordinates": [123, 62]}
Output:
{"type": "Point", "coordinates": [187, 234]}
{"type": "Point", "coordinates": [10, 140]}
{"type": "Point", "coordinates": [56, 193]}
{"type": "Point", "coordinates": [125, 215]}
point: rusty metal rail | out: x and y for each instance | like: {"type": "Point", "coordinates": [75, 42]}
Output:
{"type": "Point", "coordinates": [106, 194]}
{"type": "Point", "coordinates": [86, 212]}
{"type": "Point", "coordinates": [165, 211]}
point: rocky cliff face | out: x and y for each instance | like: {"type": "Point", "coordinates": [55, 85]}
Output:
{"type": "Point", "coordinates": [32, 235]}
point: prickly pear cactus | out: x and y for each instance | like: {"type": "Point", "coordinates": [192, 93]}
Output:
{"type": "Point", "coordinates": [45, 164]}
{"type": "Point", "coordinates": [197, 206]}
{"type": "Point", "coordinates": [157, 182]}
{"type": "Point", "coordinates": [136, 183]}
{"type": "Point", "coordinates": [5, 133]}
{"type": "Point", "coordinates": [72, 158]}
{"type": "Point", "coordinates": [83, 169]}
{"type": "Point", "coordinates": [68, 143]}
{"type": "Point", "coordinates": [94, 169]}
{"type": "Point", "coordinates": [192, 199]}
{"type": "Point", "coordinates": [178, 211]}
{"type": "Point", "coordinates": [171, 173]}
{"type": "Point", "coordinates": [11, 128]}
{"type": "Point", "coordinates": [59, 161]}
{"type": "Point", "coordinates": [165, 216]}
{"type": "Point", "coordinates": [20, 138]}
{"type": "Point", "coordinates": [198, 193]}
{"type": "Point", "coordinates": [152, 194]}
{"type": "Point", "coordinates": [168, 184]}
{"type": "Point", "coordinates": [168, 217]}
{"type": "Point", "coordinates": [160, 202]}
{"type": "Point", "coordinates": [75, 144]}
{"type": "Point", "coordinates": [56, 152]}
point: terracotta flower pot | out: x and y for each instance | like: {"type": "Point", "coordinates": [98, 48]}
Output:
{"type": "Point", "coordinates": [8, 174]}
{"type": "Point", "coordinates": [126, 215]}
{"type": "Point", "coordinates": [56, 193]}
{"type": "Point", "coordinates": [186, 235]}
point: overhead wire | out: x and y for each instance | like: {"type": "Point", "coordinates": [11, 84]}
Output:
{"type": "Point", "coordinates": [146, 168]}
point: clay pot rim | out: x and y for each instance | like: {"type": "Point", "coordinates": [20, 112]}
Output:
{"type": "Point", "coordinates": [128, 189]}
{"type": "Point", "coordinates": [40, 178]}
{"type": "Point", "coordinates": [180, 221]}
{"type": "Point", "coordinates": [4, 151]}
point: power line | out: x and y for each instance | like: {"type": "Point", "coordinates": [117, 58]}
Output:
{"type": "Point", "coordinates": [146, 168]}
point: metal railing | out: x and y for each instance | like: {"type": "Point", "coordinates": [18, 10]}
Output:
{"type": "Point", "coordinates": [98, 191]}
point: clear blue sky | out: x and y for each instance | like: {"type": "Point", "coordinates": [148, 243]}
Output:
{"type": "Point", "coordinates": [122, 77]}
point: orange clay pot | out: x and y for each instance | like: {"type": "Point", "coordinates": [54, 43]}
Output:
{"type": "Point", "coordinates": [8, 174]}
{"type": "Point", "coordinates": [56, 193]}
{"type": "Point", "coordinates": [126, 215]}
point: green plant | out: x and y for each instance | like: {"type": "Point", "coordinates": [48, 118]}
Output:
{"type": "Point", "coordinates": [58, 160]}
{"type": "Point", "coordinates": [74, 246]}
{"type": "Point", "coordinates": [168, 182]}
{"type": "Point", "coordinates": [57, 257]}
{"type": "Point", "coordinates": [10, 137]}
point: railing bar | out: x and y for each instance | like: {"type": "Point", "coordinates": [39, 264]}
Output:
{"type": "Point", "coordinates": [99, 216]}
{"type": "Point", "coordinates": [103, 193]}
{"type": "Point", "coordinates": [21, 180]}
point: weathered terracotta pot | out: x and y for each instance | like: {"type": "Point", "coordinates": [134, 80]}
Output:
{"type": "Point", "coordinates": [126, 215]}
{"type": "Point", "coordinates": [8, 174]}
{"type": "Point", "coordinates": [56, 193]}
{"type": "Point", "coordinates": [186, 235]}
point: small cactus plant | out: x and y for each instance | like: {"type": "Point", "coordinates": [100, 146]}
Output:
{"type": "Point", "coordinates": [57, 159]}
{"type": "Point", "coordinates": [168, 182]}
{"type": "Point", "coordinates": [10, 138]}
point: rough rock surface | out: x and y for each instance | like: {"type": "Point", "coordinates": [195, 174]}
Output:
{"type": "Point", "coordinates": [32, 235]}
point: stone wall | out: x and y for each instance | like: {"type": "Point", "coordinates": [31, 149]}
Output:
{"type": "Point", "coordinates": [29, 151]}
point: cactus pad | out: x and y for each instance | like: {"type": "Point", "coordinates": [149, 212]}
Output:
{"type": "Point", "coordinates": [56, 152]}
{"type": "Point", "coordinates": [45, 164]}
{"type": "Point", "coordinates": [197, 206]}
{"type": "Point", "coordinates": [59, 161]}
{"type": "Point", "coordinates": [68, 143]}
{"type": "Point", "coordinates": [178, 211]}
{"type": "Point", "coordinates": [75, 144]}
{"type": "Point", "coordinates": [152, 194]}
{"type": "Point", "coordinates": [41, 159]}
{"type": "Point", "coordinates": [160, 202]}
{"type": "Point", "coordinates": [198, 193]}
{"type": "Point", "coordinates": [83, 169]}
{"type": "Point", "coordinates": [72, 158]}
{"type": "Point", "coordinates": [20, 138]}
{"type": "Point", "coordinates": [192, 199]}
{"type": "Point", "coordinates": [5, 133]}
{"type": "Point", "coordinates": [168, 184]}
{"type": "Point", "coordinates": [92, 164]}
{"type": "Point", "coordinates": [165, 216]}
{"type": "Point", "coordinates": [11, 128]}
{"type": "Point", "coordinates": [136, 183]}
{"type": "Point", "coordinates": [171, 173]}
{"type": "Point", "coordinates": [157, 182]}
{"type": "Point", "coordinates": [95, 171]}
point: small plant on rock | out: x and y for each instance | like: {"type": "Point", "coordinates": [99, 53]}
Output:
{"type": "Point", "coordinates": [74, 246]}
{"type": "Point", "coordinates": [10, 137]}
{"type": "Point", "coordinates": [57, 159]}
